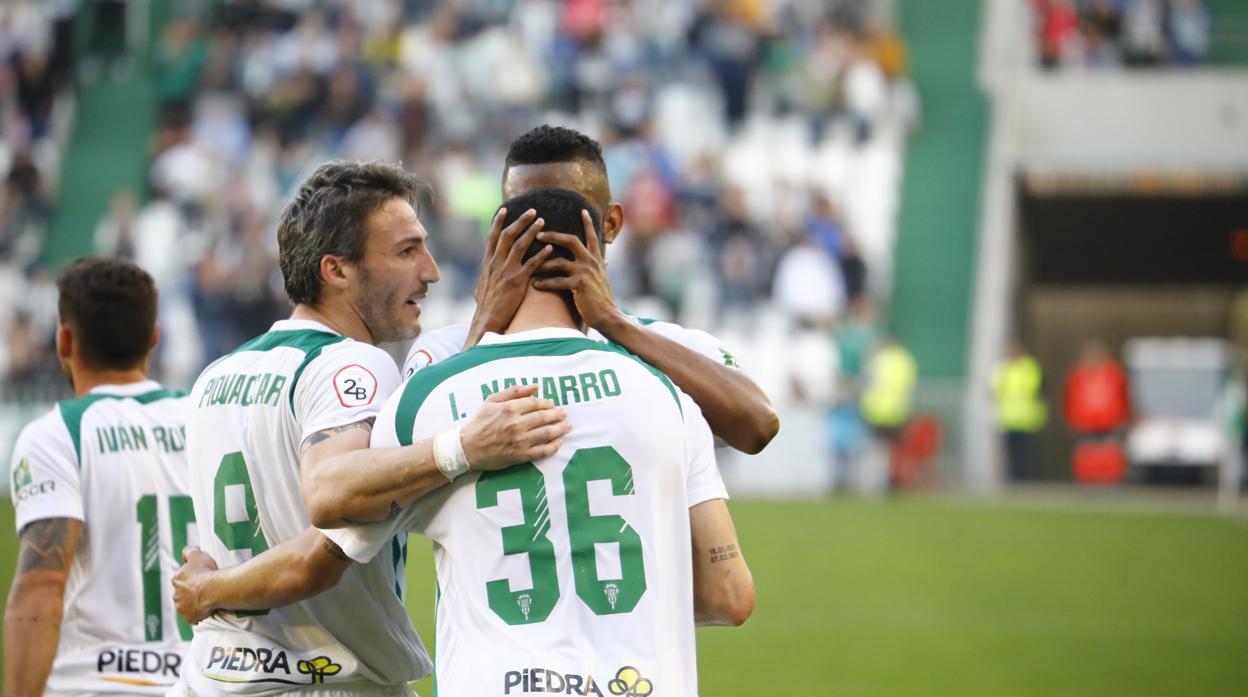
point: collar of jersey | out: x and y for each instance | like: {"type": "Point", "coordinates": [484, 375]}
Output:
{"type": "Point", "coordinates": [286, 325]}
{"type": "Point", "coordinates": [491, 338]}
{"type": "Point", "coordinates": [128, 389]}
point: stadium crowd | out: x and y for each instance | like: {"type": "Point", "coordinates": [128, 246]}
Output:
{"type": "Point", "coordinates": [755, 146]}
{"type": "Point", "coordinates": [1106, 34]}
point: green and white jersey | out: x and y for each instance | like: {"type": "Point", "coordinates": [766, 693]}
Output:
{"type": "Point", "coordinates": [250, 412]}
{"type": "Point", "coordinates": [572, 574]}
{"type": "Point", "coordinates": [116, 460]}
{"type": "Point", "coordinates": [440, 344]}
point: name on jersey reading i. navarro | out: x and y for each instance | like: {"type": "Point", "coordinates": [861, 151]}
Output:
{"type": "Point", "coordinates": [560, 389]}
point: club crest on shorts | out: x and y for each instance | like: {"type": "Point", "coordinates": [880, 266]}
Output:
{"type": "Point", "coordinates": [355, 385]}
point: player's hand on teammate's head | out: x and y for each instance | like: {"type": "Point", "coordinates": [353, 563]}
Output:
{"type": "Point", "coordinates": [513, 426]}
{"type": "Point", "coordinates": [504, 274]}
{"type": "Point", "coordinates": [188, 582]}
{"type": "Point", "coordinates": [585, 275]}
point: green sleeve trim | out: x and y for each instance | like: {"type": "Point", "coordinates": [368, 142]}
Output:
{"type": "Point", "coordinates": [422, 384]}
{"type": "Point", "coordinates": [72, 411]}
{"type": "Point", "coordinates": [643, 321]}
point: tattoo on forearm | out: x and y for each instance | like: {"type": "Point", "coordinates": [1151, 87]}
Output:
{"type": "Point", "coordinates": [320, 436]}
{"type": "Point", "coordinates": [48, 544]}
{"type": "Point", "coordinates": [724, 553]}
{"type": "Point", "coordinates": [334, 550]}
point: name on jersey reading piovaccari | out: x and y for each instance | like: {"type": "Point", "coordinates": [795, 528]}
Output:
{"type": "Point", "coordinates": [243, 388]}
{"type": "Point", "coordinates": [560, 389]}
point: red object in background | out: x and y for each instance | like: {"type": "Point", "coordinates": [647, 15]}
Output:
{"type": "Point", "coordinates": [1057, 27]}
{"type": "Point", "coordinates": [1097, 397]}
{"type": "Point", "coordinates": [1100, 462]}
{"type": "Point", "coordinates": [910, 457]}
{"type": "Point", "coordinates": [585, 19]}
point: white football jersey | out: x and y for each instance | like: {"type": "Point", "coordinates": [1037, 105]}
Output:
{"type": "Point", "coordinates": [572, 574]}
{"type": "Point", "coordinates": [250, 412]}
{"type": "Point", "coordinates": [440, 344]}
{"type": "Point", "coordinates": [116, 460]}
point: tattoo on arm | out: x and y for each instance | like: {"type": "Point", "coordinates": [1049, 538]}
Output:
{"type": "Point", "coordinates": [320, 436]}
{"type": "Point", "coordinates": [724, 553]}
{"type": "Point", "coordinates": [334, 550]}
{"type": "Point", "coordinates": [48, 545]}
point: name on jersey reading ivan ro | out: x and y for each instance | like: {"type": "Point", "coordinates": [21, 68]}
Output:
{"type": "Point", "coordinates": [560, 389]}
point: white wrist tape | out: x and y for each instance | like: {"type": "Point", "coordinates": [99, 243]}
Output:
{"type": "Point", "coordinates": [448, 452]}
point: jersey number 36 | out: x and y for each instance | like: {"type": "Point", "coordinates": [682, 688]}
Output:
{"type": "Point", "coordinates": [603, 597]}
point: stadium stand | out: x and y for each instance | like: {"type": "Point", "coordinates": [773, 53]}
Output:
{"type": "Point", "coordinates": [182, 135]}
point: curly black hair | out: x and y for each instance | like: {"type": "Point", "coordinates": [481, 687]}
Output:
{"type": "Point", "coordinates": [546, 144]}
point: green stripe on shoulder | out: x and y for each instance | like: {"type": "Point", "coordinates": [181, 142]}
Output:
{"type": "Point", "coordinates": [311, 349]}
{"type": "Point", "coordinates": [72, 411]}
{"type": "Point", "coordinates": [423, 383]}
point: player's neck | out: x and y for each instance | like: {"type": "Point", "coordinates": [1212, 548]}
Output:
{"type": "Point", "coordinates": [544, 310]}
{"type": "Point", "coordinates": [86, 379]}
{"type": "Point", "coordinates": [338, 317]}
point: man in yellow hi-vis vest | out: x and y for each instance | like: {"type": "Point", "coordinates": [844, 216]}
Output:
{"type": "Point", "coordinates": [891, 375]}
{"type": "Point", "coordinates": [1020, 410]}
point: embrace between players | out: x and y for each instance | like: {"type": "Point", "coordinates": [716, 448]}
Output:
{"type": "Point", "coordinates": [558, 452]}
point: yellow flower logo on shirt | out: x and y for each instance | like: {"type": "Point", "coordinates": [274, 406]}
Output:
{"type": "Point", "coordinates": [628, 681]}
{"type": "Point", "coordinates": [318, 668]}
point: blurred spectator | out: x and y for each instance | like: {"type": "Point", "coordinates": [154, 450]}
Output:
{"type": "Point", "coordinates": [1017, 384]}
{"type": "Point", "coordinates": [1187, 27]}
{"type": "Point", "coordinates": [856, 335]}
{"type": "Point", "coordinates": [727, 33]}
{"type": "Point", "coordinates": [1056, 31]}
{"type": "Point", "coordinates": [809, 285]}
{"type": "Point", "coordinates": [1097, 400]}
{"type": "Point", "coordinates": [114, 234]}
{"type": "Point", "coordinates": [890, 378]}
{"type": "Point", "coordinates": [891, 374]}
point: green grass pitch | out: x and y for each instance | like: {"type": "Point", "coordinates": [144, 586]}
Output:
{"type": "Point", "coordinates": [930, 597]}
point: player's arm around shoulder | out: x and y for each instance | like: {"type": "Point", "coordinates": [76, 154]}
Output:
{"type": "Point", "coordinates": [44, 488]}
{"type": "Point", "coordinates": [738, 411]}
{"type": "Point", "coordinates": [297, 569]}
{"type": "Point", "coordinates": [344, 482]}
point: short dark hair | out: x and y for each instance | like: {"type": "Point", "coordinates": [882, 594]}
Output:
{"type": "Point", "coordinates": [545, 144]}
{"type": "Point", "coordinates": [327, 214]}
{"type": "Point", "coordinates": [560, 210]}
{"type": "Point", "coordinates": [110, 304]}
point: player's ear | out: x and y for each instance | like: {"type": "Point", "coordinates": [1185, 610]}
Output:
{"type": "Point", "coordinates": [337, 272]}
{"type": "Point", "coordinates": [155, 337]}
{"type": "Point", "coordinates": [612, 222]}
{"type": "Point", "coordinates": [64, 341]}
